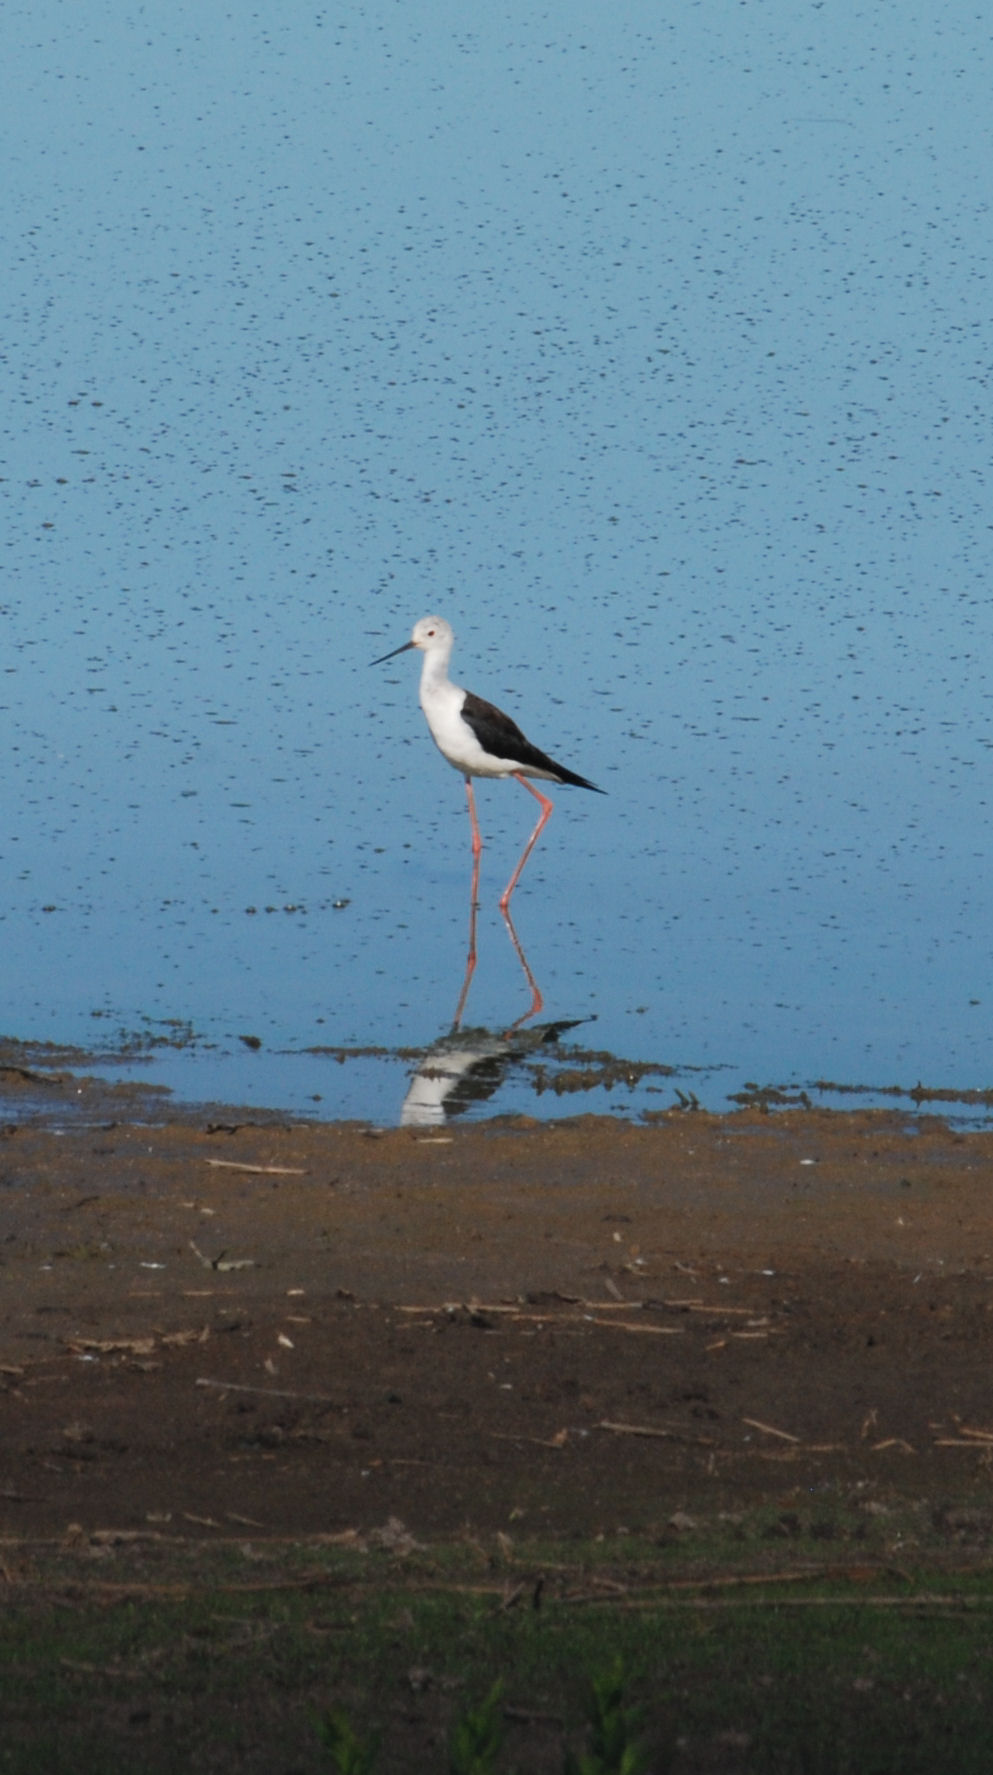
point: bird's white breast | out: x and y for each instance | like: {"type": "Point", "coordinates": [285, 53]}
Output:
{"type": "Point", "coordinates": [454, 738]}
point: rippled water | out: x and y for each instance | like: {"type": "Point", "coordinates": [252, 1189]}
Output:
{"type": "Point", "coordinates": [652, 351]}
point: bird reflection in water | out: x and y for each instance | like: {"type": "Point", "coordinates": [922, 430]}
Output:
{"type": "Point", "coordinates": [467, 1067]}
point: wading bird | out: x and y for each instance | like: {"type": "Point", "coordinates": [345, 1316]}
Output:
{"type": "Point", "coordinates": [478, 739]}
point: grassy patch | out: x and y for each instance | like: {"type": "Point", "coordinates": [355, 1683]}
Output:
{"type": "Point", "coordinates": [715, 1654]}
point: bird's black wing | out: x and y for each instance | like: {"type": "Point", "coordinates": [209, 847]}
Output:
{"type": "Point", "coordinates": [502, 738]}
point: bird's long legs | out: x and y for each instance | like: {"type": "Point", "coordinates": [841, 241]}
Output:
{"type": "Point", "coordinates": [546, 814]}
{"type": "Point", "coordinates": [477, 843]}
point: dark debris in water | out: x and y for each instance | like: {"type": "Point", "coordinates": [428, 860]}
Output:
{"type": "Point", "coordinates": [131, 1044]}
{"type": "Point", "coordinates": [915, 1093]}
{"type": "Point", "coordinates": [768, 1097]}
{"type": "Point", "coordinates": [599, 1072]}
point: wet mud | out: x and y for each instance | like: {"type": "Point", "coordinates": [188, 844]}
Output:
{"type": "Point", "coordinates": [212, 1325]}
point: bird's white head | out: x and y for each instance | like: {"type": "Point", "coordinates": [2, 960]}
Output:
{"type": "Point", "coordinates": [432, 632]}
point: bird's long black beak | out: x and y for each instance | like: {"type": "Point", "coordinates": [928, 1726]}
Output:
{"type": "Point", "coordinates": [404, 649]}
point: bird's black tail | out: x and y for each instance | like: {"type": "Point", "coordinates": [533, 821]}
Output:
{"type": "Point", "coordinates": [575, 782]}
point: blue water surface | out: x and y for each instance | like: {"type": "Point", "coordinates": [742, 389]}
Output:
{"type": "Point", "coordinates": [652, 346]}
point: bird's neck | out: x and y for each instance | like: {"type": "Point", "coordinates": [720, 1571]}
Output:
{"type": "Point", "coordinates": [434, 673]}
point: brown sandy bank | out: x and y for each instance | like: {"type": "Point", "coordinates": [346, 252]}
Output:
{"type": "Point", "coordinates": [208, 1328]}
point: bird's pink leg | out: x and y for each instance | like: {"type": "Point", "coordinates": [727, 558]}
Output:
{"type": "Point", "coordinates": [477, 843]}
{"type": "Point", "coordinates": [470, 966]}
{"type": "Point", "coordinates": [546, 814]}
{"type": "Point", "coordinates": [537, 1002]}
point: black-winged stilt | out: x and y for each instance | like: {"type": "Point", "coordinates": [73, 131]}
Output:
{"type": "Point", "coordinates": [477, 739]}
